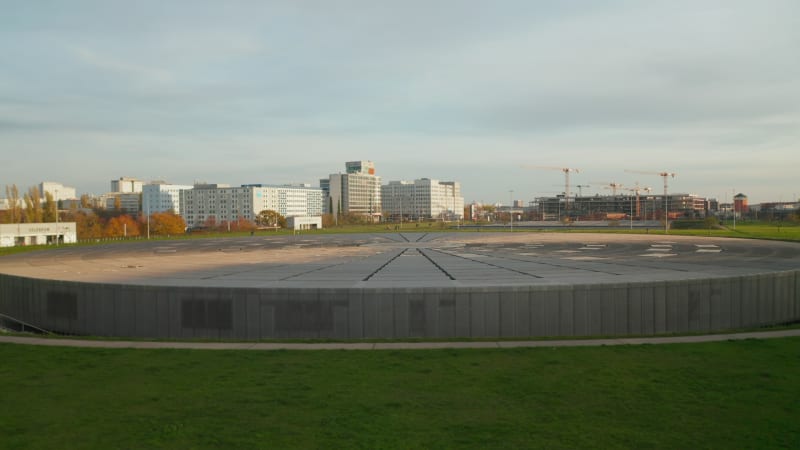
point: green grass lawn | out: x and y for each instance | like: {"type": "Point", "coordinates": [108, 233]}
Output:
{"type": "Point", "coordinates": [743, 394]}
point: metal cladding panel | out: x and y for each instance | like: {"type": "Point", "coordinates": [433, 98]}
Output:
{"type": "Point", "coordinates": [106, 311]}
{"type": "Point", "coordinates": [735, 300]}
{"type": "Point", "coordinates": [784, 297]}
{"type": "Point", "coordinates": [146, 307]}
{"type": "Point", "coordinates": [369, 305]}
{"type": "Point", "coordinates": [699, 304]}
{"type": "Point", "coordinates": [635, 314]}
{"type": "Point", "coordinates": [580, 311]}
{"type": "Point", "coordinates": [125, 312]}
{"type": "Point", "coordinates": [477, 317]}
{"type": "Point", "coordinates": [646, 294]}
{"type": "Point", "coordinates": [766, 299]}
{"type": "Point", "coordinates": [430, 299]}
{"type": "Point", "coordinates": [401, 313]}
{"type": "Point", "coordinates": [491, 313]}
{"type": "Point", "coordinates": [385, 302]}
{"type": "Point", "coordinates": [621, 316]}
{"type": "Point", "coordinates": [566, 312]}
{"type": "Point", "coordinates": [673, 310]}
{"type": "Point", "coordinates": [340, 321]}
{"type": "Point", "coordinates": [174, 302]}
{"type": "Point", "coordinates": [417, 314]}
{"type": "Point", "coordinates": [522, 316]}
{"type": "Point", "coordinates": [796, 314]}
{"type": "Point", "coordinates": [552, 313]}
{"type": "Point", "coordinates": [355, 313]}
{"type": "Point", "coordinates": [252, 315]}
{"type": "Point", "coordinates": [750, 301]}
{"type": "Point", "coordinates": [163, 316]}
{"type": "Point", "coordinates": [720, 304]}
{"type": "Point", "coordinates": [446, 309]}
{"type": "Point", "coordinates": [680, 291]}
{"type": "Point", "coordinates": [267, 316]}
{"type": "Point", "coordinates": [463, 314]}
{"type": "Point", "coordinates": [660, 311]}
{"type": "Point", "coordinates": [508, 312]}
{"type": "Point", "coordinates": [273, 300]}
{"type": "Point", "coordinates": [609, 312]}
{"type": "Point", "coordinates": [304, 315]}
{"type": "Point", "coordinates": [595, 301]}
{"type": "Point", "coordinates": [538, 319]}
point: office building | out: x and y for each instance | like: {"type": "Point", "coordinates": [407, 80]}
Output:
{"type": "Point", "coordinates": [357, 192]}
{"type": "Point", "coordinates": [126, 185]}
{"type": "Point", "coordinates": [162, 197]}
{"type": "Point", "coordinates": [214, 203]}
{"type": "Point", "coordinates": [57, 190]}
{"type": "Point", "coordinates": [424, 198]}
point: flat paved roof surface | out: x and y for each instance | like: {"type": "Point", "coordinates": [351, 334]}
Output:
{"type": "Point", "coordinates": [405, 259]}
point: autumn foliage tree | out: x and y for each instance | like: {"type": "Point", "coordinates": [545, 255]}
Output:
{"type": "Point", "coordinates": [271, 219]}
{"type": "Point", "coordinates": [122, 226]}
{"type": "Point", "coordinates": [166, 224]}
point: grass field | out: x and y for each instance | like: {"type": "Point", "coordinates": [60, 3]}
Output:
{"type": "Point", "coordinates": [743, 394]}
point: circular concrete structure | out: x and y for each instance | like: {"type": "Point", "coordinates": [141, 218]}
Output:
{"type": "Point", "coordinates": [399, 285]}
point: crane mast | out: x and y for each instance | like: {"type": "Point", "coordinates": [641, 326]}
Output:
{"type": "Point", "coordinates": [566, 171]}
{"type": "Point", "coordinates": [665, 175]}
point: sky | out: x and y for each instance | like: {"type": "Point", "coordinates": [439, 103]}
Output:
{"type": "Point", "coordinates": [484, 93]}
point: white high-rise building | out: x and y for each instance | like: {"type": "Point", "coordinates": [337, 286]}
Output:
{"type": "Point", "coordinates": [126, 185]}
{"type": "Point", "coordinates": [227, 204]}
{"type": "Point", "coordinates": [57, 190]}
{"type": "Point", "coordinates": [162, 197]}
{"type": "Point", "coordinates": [356, 192]}
{"type": "Point", "coordinates": [423, 199]}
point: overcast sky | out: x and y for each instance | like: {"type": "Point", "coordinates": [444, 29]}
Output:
{"type": "Point", "coordinates": [282, 92]}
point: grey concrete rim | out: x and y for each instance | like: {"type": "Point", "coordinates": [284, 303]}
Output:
{"type": "Point", "coordinates": [266, 346]}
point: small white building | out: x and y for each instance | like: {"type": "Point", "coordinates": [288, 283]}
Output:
{"type": "Point", "coordinates": [37, 233]}
{"type": "Point", "coordinates": [304, 223]}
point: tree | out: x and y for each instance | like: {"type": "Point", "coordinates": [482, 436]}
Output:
{"type": "Point", "coordinates": [167, 224]}
{"type": "Point", "coordinates": [14, 214]}
{"type": "Point", "coordinates": [271, 219]}
{"type": "Point", "coordinates": [710, 222]}
{"type": "Point", "coordinates": [33, 205]}
{"type": "Point", "coordinates": [85, 201]}
{"type": "Point", "coordinates": [50, 208]}
{"type": "Point", "coordinates": [122, 226]}
{"type": "Point", "coordinates": [88, 225]}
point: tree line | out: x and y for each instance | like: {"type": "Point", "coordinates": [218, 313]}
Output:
{"type": "Point", "coordinates": [90, 223]}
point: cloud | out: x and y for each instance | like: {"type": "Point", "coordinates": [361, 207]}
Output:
{"type": "Point", "coordinates": [122, 68]}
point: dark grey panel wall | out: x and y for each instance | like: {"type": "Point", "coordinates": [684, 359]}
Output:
{"type": "Point", "coordinates": [226, 313]}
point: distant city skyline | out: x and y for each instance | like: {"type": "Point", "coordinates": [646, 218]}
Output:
{"type": "Point", "coordinates": [285, 92]}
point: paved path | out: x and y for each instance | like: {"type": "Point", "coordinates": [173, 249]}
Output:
{"type": "Point", "coordinates": [395, 345]}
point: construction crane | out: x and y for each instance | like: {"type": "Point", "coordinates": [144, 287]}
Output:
{"type": "Point", "coordinates": [566, 171]}
{"type": "Point", "coordinates": [580, 188]}
{"type": "Point", "coordinates": [636, 189]}
{"type": "Point", "coordinates": [612, 185]}
{"type": "Point", "coordinates": [665, 176]}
